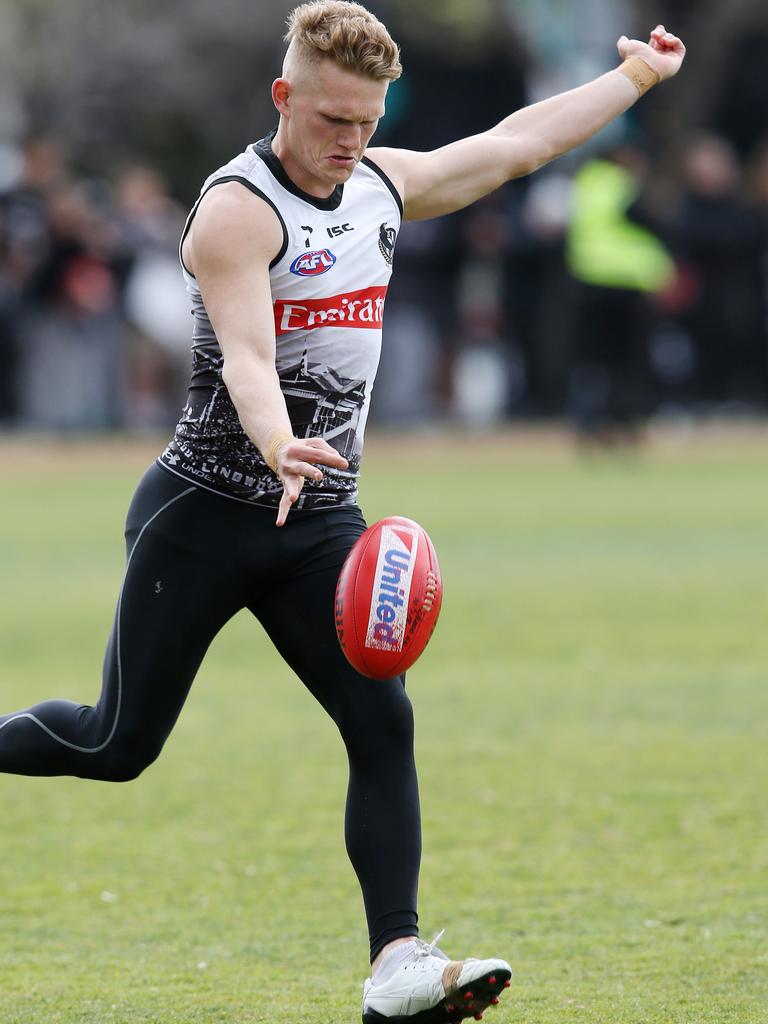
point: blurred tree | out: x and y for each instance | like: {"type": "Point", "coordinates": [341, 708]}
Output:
{"type": "Point", "coordinates": [724, 75]}
{"type": "Point", "coordinates": [184, 83]}
{"type": "Point", "coordinates": [463, 69]}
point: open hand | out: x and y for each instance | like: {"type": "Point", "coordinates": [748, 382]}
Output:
{"type": "Point", "coordinates": [297, 460]}
{"type": "Point", "coordinates": [663, 52]}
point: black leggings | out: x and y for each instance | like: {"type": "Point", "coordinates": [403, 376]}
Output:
{"type": "Point", "coordinates": [194, 560]}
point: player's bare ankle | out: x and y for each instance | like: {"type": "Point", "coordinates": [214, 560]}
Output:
{"type": "Point", "coordinates": [386, 949]}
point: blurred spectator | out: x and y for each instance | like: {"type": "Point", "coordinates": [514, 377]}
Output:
{"type": "Point", "coordinates": [24, 246]}
{"type": "Point", "coordinates": [619, 264]}
{"type": "Point", "coordinates": [757, 196]}
{"type": "Point", "coordinates": [721, 241]}
{"type": "Point", "coordinates": [448, 269]}
{"type": "Point", "coordinates": [489, 367]}
{"type": "Point", "coordinates": [540, 292]}
{"type": "Point", "coordinates": [8, 353]}
{"type": "Point", "coordinates": [150, 223]}
{"type": "Point", "coordinates": [75, 262]}
{"type": "Point", "coordinates": [551, 297]}
{"type": "Point", "coordinates": [419, 324]}
{"type": "Point", "coordinates": [24, 208]}
{"type": "Point", "coordinates": [69, 361]}
{"type": "Point", "coordinates": [742, 97]}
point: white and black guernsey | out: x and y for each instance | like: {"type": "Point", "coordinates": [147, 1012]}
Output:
{"type": "Point", "coordinates": [328, 282]}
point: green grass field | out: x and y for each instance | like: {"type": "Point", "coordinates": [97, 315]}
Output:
{"type": "Point", "coordinates": [592, 730]}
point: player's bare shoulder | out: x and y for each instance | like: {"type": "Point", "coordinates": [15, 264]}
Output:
{"type": "Point", "coordinates": [393, 163]}
{"type": "Point", "coordinates": [232, 222]}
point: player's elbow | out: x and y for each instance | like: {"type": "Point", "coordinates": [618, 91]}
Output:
{"type": "Point", "coordinates": [231, 374]}
{"type": "Point", "coordinates": [237, 372]}
{"type": "Point", "coordinates": [522, 168]}
{"type": "Point", "coordinates": [528, 155]}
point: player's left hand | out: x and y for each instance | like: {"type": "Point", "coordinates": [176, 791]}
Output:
{"type": "Point", "coordinates": [663, 52]}
{"type": "Point", "coordinates": [297, 460]}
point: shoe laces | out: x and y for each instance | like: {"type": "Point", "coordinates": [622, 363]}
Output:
{"type": "Point", "coordinates": [424, 949]}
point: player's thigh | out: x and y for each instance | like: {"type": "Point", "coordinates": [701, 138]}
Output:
{"type": "Point", "coordinates": [181, 586]}
{"type": "Point", "coordinates": [298, 615]}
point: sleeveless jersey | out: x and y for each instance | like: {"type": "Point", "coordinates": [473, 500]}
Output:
{"type": "Point", "coordinates": [328, 284]}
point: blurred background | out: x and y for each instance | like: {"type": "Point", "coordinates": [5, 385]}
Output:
{"type": "Point", "coordinates": [624, 284]}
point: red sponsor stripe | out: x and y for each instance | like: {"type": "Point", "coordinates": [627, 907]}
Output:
{"type": "Point", "coordinates": [363, 309]}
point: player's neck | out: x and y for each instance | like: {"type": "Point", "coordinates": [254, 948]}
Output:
{"type": "Point", "coordinates": [312, 185]}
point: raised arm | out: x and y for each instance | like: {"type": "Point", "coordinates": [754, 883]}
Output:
{"type": "Point", "coordinates": [450, 178]}
{"type": "Point", "coordinates": [233, 238]}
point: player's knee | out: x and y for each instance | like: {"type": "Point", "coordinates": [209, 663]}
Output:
{"type": "Point", "coordinates": [124, 760]}
{"type": "Point", "coordinates": [376, 733]}
{"type": "Point", "coordinates": [122, 770]}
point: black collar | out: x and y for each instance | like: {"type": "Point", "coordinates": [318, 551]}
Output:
{"type": "Point", "coordinates": [264, 149]}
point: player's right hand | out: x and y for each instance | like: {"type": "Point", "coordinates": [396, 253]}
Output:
{"type": "Point", "coordinates": [663, 52]}
{"type": "Point", "coordinates": [297, 460]}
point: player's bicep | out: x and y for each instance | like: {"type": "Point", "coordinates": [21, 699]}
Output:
{"type": "Point", "coordinates": [239, 304]}
{"type": "Point", "coordinates": [235, 237]}
{"type": "Point", "coordinates": [450, 178]}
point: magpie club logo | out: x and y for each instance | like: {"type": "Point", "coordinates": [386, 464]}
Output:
{"type": "Point", "coordinates": [312, 264]}
{"type": "Point", "coordinates": [387, 239]}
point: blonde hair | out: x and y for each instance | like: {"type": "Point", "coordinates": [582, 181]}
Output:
{"type": "Point", "coordinates": [347, 34]}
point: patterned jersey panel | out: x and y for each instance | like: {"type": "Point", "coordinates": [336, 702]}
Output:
{"type": "Point", "coordinates": [329, 283]}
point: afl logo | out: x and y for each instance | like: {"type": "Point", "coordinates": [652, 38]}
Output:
{"type": "Point", "coordinates": [311, 264]}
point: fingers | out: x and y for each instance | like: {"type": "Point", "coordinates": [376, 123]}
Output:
{"type": "Point", "coordinates": [313, 450]}
{"type": "Point", "coordinates": [673, 45]}
{"type": "Point", "coordinates": [303, 459]}
{"type": "Point", "coordinates": [310, 449]}
{"type": "Point", "coordinates": [297, 460]}
{"type": "Point", "coordinates": [320, 451]}
{"type": "Point", "coordinates": [318, 442]}
{"type": "Point", "coordinates": [291, 491]}
{"type": "Point", "coordinates": [303, 469]}
{"type": "Point", "coordinates": [665, 42]}
{"type": "Point", "coordinates": [283, 508]}
{"type": "Point", "coordinates": [661, 43]}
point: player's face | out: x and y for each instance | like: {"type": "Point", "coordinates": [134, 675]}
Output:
{"type": "Point", "coordinates": [331, 116]}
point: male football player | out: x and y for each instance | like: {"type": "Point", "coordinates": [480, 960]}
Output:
{"type": "Point", "coordinates": [287, 255]}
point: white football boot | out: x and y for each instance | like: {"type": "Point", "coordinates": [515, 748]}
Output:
{"type": "Point", "coordinates": [428, 988]}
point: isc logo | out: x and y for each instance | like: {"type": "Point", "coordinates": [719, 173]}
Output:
{"type": "Point", "coordinates": [310, 264]}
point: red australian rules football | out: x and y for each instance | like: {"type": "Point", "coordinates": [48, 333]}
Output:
{"type": "Point", "coordinates": [388, 598]}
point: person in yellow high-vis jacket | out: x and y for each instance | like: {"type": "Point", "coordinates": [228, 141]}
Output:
{"type": "Point", "coordinates": [618, 264]}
